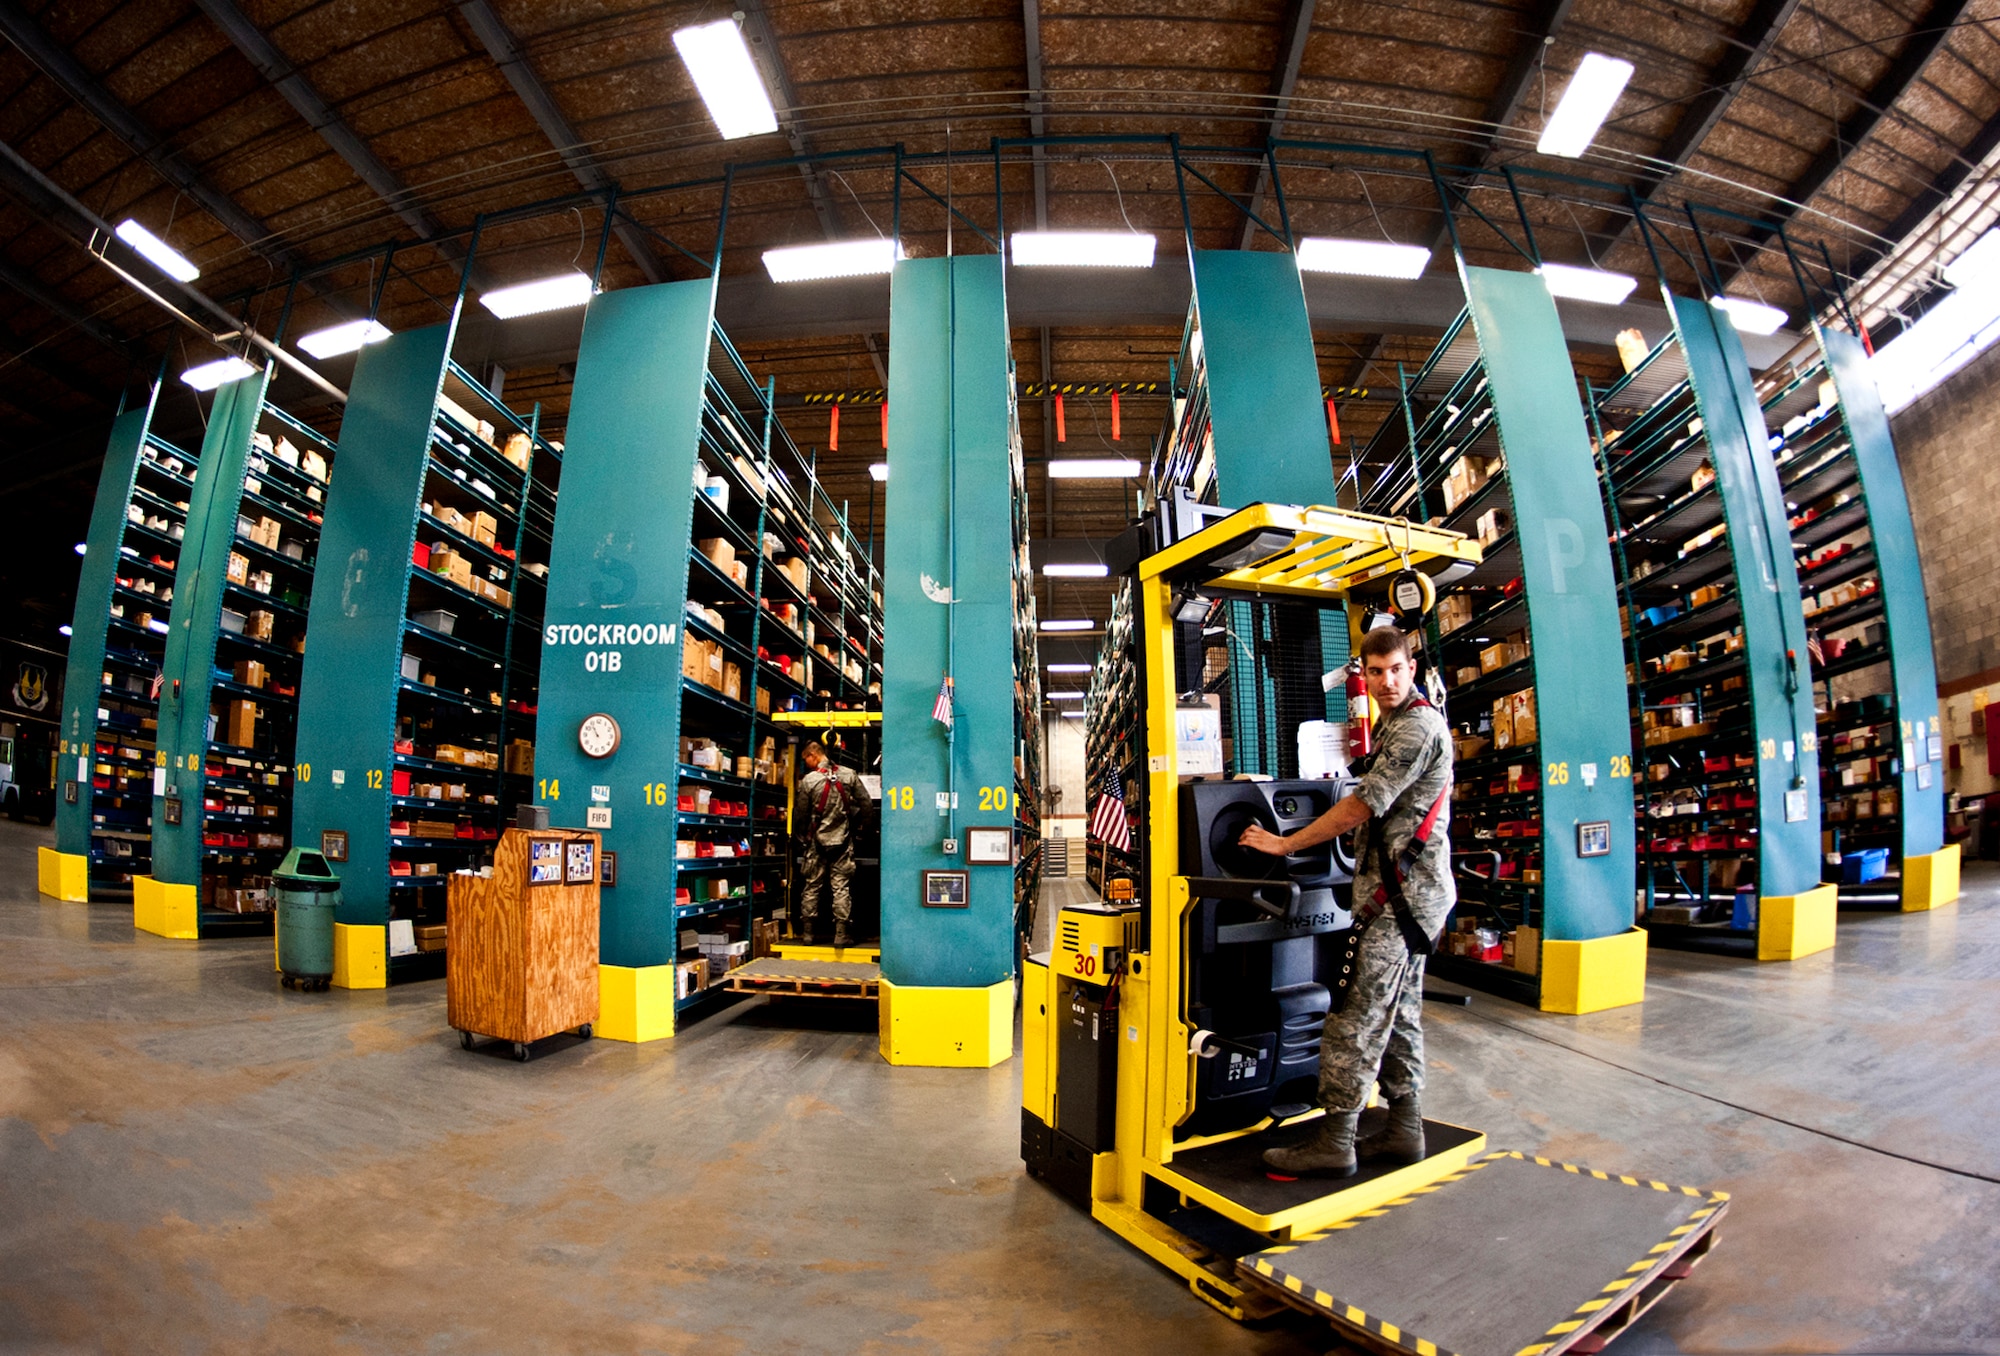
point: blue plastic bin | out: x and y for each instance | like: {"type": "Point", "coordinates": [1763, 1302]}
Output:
{"type": "Point", "coordinates": [1857, 868]}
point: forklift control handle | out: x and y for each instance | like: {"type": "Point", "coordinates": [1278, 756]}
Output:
{"type": "Point", "coordinates": [1226, 887]}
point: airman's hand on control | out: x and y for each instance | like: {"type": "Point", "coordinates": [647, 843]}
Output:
{"type": "Point", "coordinates": [1260, 839]}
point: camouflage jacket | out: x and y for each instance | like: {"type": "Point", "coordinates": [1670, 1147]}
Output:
{"type": "Point", "coordinates": [830, 797]}
{"type": "Point", "coordinates": [1411, 767]}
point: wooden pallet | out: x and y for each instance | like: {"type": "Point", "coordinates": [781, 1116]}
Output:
{"type": "Point", "coordinates": [807, 979]}
{"type": "Point", "coordinates": [1543, 1296]}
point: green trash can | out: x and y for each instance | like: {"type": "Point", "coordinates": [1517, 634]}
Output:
{"type": "Point", "coordinates": [307, 894]}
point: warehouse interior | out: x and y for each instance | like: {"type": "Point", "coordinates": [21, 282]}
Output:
{"type": "Point", "coordinates": [804, 910]}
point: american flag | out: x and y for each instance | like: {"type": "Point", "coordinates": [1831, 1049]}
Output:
{"type": "Point", "coordinates": [941, 708]}
{"type": "Point", "coordinates": [1107, 818]}
{"type": "Point", "coordinates": [1814, 650]}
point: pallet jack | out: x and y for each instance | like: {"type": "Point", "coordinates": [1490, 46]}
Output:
{"type": "Point", "coordinates": [1169, 1041]}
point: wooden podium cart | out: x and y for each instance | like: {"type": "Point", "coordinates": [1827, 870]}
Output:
{"type": "Point", "coordinates": [522, 960]}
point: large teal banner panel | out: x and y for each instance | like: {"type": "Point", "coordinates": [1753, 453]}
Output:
{"type": "Point", "coordinates": [1583, 718]}
{"type": "Point", "coordinates": [1263, 379]}
{"type": "Point", "coordinates": [948, 527]}
{"type": "Point", "coordinates": [1767, 591]}
{"type": "Point", "coordinates": [199, 580]}
{"type": "Point", "coordinates": [618, 578]}
{"type": "Point", "coordinates": [347, 687]}
{"type": "Point", "coordinates": [94, 584]}
{"type": "Point", "coordinates": [1905, 609]}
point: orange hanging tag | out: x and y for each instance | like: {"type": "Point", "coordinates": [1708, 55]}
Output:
{"type": "Point", "coordinates": [1333, 422]}
{"type": "Point", "coordinates": [885, 426]}
{"type": "Point", "coordinates": [1114, 416]}
{"type": "Point", "coordinates": [1062, 430]}
{"type": "Point", "coordinates": [833, 430]}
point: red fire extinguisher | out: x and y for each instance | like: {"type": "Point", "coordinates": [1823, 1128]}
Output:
{"type": "Point", "coordinates": [1360, 715]}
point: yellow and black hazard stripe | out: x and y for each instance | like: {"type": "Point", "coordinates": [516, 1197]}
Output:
{"type": "Point", "coordinates": [1348, 1313]}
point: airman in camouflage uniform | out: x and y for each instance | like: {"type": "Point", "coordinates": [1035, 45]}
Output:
{"type": "Point", "coordinates": [1378, 1035]}
{"type": "Point", "coordinates": [830, 799]}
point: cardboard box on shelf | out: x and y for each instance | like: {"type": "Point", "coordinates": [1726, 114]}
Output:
{"type": "Point", "coordinates": [1503, 723]}
{"type": "Point", "coordinates": [732, 680]}
{"type": "Point", "coordinates": [249, 672]}
{"type": "Point", "coordinates": [313, 464]}
{"type": "Point", "coordinates": [694, 658]}
{"type": "Point", "coordinates": [1491, 525]}
{"type": "Point", "coordinates": [718, 551]}
{"type": "Point", "coordinates": [1521, 706]}
{"type": "Point", "coordinates": [1453, 611]}
{"type": "Point", "coordinates": [1471, 746]}
{"type": "Point", "coordinates": [242, 724]}
{"type": "Point", "coordinates": [521, 757]}
{"type": "Point", "coordinates": [484, 527]}
{"type": "Point", "coordinates": [1527, 950]}
{"type": "Point", "coordinates": [764, 701]}
{"type": "Point", "coordinates": [239, 569]}
{"type": "Point", "coordinates": [1468, 674]}
{"type": "Point", "coordinates": [268, 533]}
{"type": "Point", "coordinates": [517, 449]}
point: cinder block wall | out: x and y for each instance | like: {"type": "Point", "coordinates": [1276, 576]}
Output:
{"type": "Point", "coordinates": [1947, 442]}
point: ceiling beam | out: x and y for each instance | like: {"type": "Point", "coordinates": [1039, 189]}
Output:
{"type": "Point", "coordinates": [1031, 33]}
{"type": "Point", "coordinates": [499, 42]}
{"type": "Point", "coordinates": [31, 288]}
{"type": "Point", "coordinates": [320, 116]}
{"type": "Point", "coordinates": [1855, 128]}
{"type": "Point", "coordinates": [763, 44]}
{"type": "Point", "coordinates": [60, 66]}
{"type": "Point", "coordinates": [1293, 31]}
{"type": "Point", "coordinates": [1704, 112]}
{"type": "Point", "coordinates": [1928, 199]}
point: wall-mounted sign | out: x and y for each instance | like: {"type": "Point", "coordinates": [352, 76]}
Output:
{"type": "Point", "coordinates": [607, 868]}
{"type": "Point", "coordinates": [989, 847]}
{"type": "Point", "coordinates": [580, 863]}
{"type": "Point", "coordinates": [1594, 839]}
{"type": "Point", "coordinates": [333, 844]}
{"type": "Point", "coordinates": [545, 861]}
{"type": "Point", "coordinates": [947, 889]}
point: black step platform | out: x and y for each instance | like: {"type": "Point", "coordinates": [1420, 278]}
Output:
{"type": "Point", "coordinates": [1520, 1256]}
{"type": "Point", "coordinates": [1230, 1177]}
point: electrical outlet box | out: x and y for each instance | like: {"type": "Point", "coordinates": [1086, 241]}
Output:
{"type": "Point", "coordinates": [950, 847]}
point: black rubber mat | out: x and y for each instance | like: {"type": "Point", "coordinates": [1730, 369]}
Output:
{"type": "Point", "coordinates": [1234, 1169]}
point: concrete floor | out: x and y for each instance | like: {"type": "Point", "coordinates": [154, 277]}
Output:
{"type": "Point", "coordinates": [192, 1159]}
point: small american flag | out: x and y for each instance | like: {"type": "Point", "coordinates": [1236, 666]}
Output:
{"type": "Point", "coordinates": [941, 708]}
{"type": "Point", "coordinates": [1107, 818]}
{"type": "Point", "coordinates": [1814, 650]}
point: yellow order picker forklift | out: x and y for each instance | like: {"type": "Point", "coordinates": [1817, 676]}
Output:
{"type": "Point", "coordinates": [1168, 1042]}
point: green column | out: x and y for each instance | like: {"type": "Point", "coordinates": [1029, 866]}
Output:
{"type": "Point", "coordinates": [1767, 590]}
{"type": "Point", "coordinates": [1905, 610]}
{"type": "Point", "coordinates": [1579, 664]}
{"type": "Point", "coordinates": [951, 437]}
{"type": "Point", "coordinates": [188, 670]}
{"type": "Point", "coordinates": [1263, 379]}
{"type": "Point", "coordinates": [347, 687]}
{"type": "Point", "coordinates": [620, 558]}
{"type": "Point", "coordinates": [94, 584]}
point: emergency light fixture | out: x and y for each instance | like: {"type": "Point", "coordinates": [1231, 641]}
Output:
{"type": "Point", "coordinates": [1362, 258]}
{"type": "Point", "coordinates": [1076, 624]}
{"type": "Point", "coordinates": [335, 340]}
{"type": "Point", "coordinates": [1587, 284]}
{"type": "Point", "coordinates": [1094, 468]}
{"type": "Point", "coordinates": [718, 61]}
{"type": "Point", "coordinates": [208, 376]}
{"type": "Point", "coordinates": [836, 259]}
{"type": "Point", "coordinates": [1076, 571]}
{"type": "Point", "coordinates": [163, 256]}
{"type": "Point", "coordinates": [1083, 249]}
{"type": "Point", "coordinates": [534, 298]}
{"type": "Point", "coordinates": [1751, 317]}
{"type": "Point", "coordinates": [1585, 104]}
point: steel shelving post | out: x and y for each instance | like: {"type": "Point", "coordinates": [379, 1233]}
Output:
{"type": "Point", "coordinates": [948, 972]}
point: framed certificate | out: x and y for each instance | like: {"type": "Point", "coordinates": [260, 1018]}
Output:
{"type": "Point", "coordinates": [947, 889]}
{"type": "Point", "coordinates": [545, 864]}
{"type": "Point", "coordinates": [989, 847]}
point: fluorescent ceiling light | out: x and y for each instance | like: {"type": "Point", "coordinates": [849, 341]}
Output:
{"type": "Point", "coordinates": [1076, 571]}
{"type": "Point", "coordinates": [1584, 105]}
{"type": "Point", "coordinates": [1588, 284]}
{"type": "Point", "coordinates": [335, 340]}
{"type": "Point", "coordinates": [1094, 468]}
{"type": "Point", "coordinates": [64, 629]}
{"type": "Point", "coordinates": [1064, 696]}
{"type": "Point", "coordinates": [165, 257]}
{"type": "Point", "coordinates": [208, 376]}
{"type": "Point", "coordinates": [1083, 249]}
{"type": "Point", "coordinates": [878, 470]}
{"type": "Point", "coordinates": [82, 547]}
{"type": "Point", "coordinates": [1075, 715]}
{"type": "Point", "coordinates": [1950, 334]}
{"type": "Point", "coordinates": [533, 298]}
{"type": "Point", "coordinates": [1362, 258]}
{"type": "Point", "coordinates": [1752, 317]}
{"type": "Point", "coordinates": [1080, 624]}
{"type": "Point", "coordinates": [836, 259]}
{"type": "Point", "coordinates": [1069, 668]}
{"type": "Point", "coordinates": [719, 62]}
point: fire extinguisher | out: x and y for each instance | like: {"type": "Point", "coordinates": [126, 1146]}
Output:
{"type": "Point", "coordinates": [1360, 717]}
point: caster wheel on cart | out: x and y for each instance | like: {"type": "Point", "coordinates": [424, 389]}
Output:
{"type": "Point", "coordinates": [520, 1052]}
{"type": "Point", "coordinates": [584, 1031]}
{"type": "Point", "coordinates": [322, 984]}
{"type": "Point", "coordinates": [465, 1040]}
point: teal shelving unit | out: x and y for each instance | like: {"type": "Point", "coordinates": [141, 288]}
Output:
{"type": "Point", "coordinates": [1728, 783]}
{"type": "Point", "coordinates": [701, 582]}
{"type": "Point", "coordinates": [107, 746]}
{"type": "Point", "coordinates": [228, 717]}
{"type": "Point", "coordinates": [1869, 639]}
{"type": "Point", "coordinates": [419, 692]}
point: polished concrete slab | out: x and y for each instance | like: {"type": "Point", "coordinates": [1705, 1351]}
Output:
{"type": "Point", "coordinates": [194, 1159]}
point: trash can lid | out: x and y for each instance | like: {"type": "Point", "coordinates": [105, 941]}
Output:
{"type": "Point", "coordinates": [305, 866]}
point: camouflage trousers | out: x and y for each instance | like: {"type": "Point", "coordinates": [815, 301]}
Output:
{"type": "Point", "coordinates": [1379, 1035]}
{"type": "Point", "coordinates": [819, 862]}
